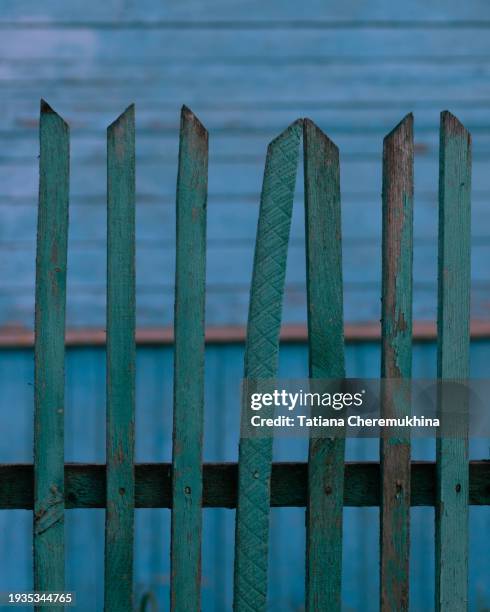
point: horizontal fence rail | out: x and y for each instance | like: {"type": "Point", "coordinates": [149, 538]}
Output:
{"type": "Point", "coordinates": [85, 485]}
{"type": "Point", "coordinates": [325, 484]}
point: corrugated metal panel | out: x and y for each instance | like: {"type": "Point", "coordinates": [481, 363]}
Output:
{"type": "Point", "coordinates": [85, 441]}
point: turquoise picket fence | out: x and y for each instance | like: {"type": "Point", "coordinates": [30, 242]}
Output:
{"type": "Point", "coordinates": [326, 483]}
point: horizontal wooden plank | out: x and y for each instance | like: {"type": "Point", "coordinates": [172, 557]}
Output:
{"type": "Point", "coordinates": [366, 198]}
{"type": "Point", "coordinates": [241, 239]}
{"type": "Point", "coordinates": [423, 331]}
{"type": "Point", "coordinates": [359, 178]}
{"type": "Point", "coordinates": [85, 485]}
{"type": "Point", "coordinates": [227, 334]}
{"type": "Point", "coordinates": [148, 10]}
{"type": "Point", "coordinates": [229, 182]}
{"type": "Point", "coordinates": [79, 111]}
{"type": "Point", "coordinates": [218, 68]}
{"type": "Point", "coordinates": [355, 125]}
{"type": "Point", "coordinates": [254, 83]}
{"type": "Point", "coordinates": [230, 225]}
{"type": "Point", "coordinates": [226, 304]}
{"type": "Point", "coordinates": [247, 25]}
{"type": "Point", "coordinates": [22, 67]}
{"type": "Point", "coordinates": [227, 264]}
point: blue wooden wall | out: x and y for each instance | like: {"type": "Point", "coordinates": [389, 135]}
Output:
{"type": "Point", "coordinates": [247, 69]}
{"type": "Point", "coordinates": [85, 441]}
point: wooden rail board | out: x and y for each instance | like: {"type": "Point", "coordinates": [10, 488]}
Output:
{"type": "Point", "coordinates": [85, 485]}
{"type": "Point", "coordinates": [423, 331]}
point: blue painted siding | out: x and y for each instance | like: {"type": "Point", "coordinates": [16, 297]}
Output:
{"type": "Point", "coordinates": [85, 420]}
{"type": "Point", "coordinates": [247, 68]}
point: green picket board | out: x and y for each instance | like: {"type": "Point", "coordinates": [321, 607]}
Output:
{"type": "Point", "coordinates": [453, 344]}
{"type": "Point", "coordinates": [119, 526]}
{"type": "Point", "coordinates": [396, 363]}
{"type": "Point", "coordinates": [52, 239]}
{"type": "Point", "coordinates": [190, 288]}
{"type": "Point", "coordinates": [261, 357]}
{"type": "Point", "coordinates": [325, 495]}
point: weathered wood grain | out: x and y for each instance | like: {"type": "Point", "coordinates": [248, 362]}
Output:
{"type": "Point", "coordinates": [396, 363]}
{"type": "Point", "coordinates": [190, 292]}
{"type": "Point", "coordinates": [85, 485]}
{"type": "Point", "coordinates": [326, 360]}
{"type": "Point", "coordinates": [121, 354]}
{"type": "Point", "coordinates": [49, 352]}
{"type": "Point", "coordinates": [453, 344]}
{"type": "Point", "coordinates": [261, 356]}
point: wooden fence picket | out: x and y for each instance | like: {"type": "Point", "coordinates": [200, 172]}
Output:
{"type": "Point", "coordinates": [396, 363]}
{"type": "Point", "coordinates": [326, 360]}
{"type": "Point", "coordinates": [261, 356]}
{"type": "Point", "coordinates": [49, 353]}
{"type": "Point", "coordinates": [453, 345]}
{"type": "Point", "coordinates": [121, 354]}
{"type": "Point", "coordinates": [190, 291]}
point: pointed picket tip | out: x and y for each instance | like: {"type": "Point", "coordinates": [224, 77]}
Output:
{"type": "Point", "coordinates": [125, 117]}
{"type": "Point", "coordinates": [452, 126]}
{"type": "Point", "coordinates": [402, 130]}
{"type": "Point", "coordinates": [292, 131]}
{"type": "Point", "coordinates": [47, 110]}
{"type": "Point", "coordinates": [312, 131]}
{"type": "Point", "coordinates": [189, 120]}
